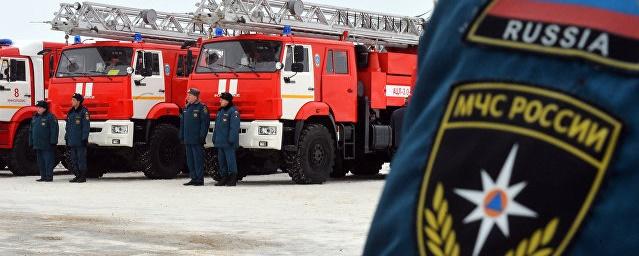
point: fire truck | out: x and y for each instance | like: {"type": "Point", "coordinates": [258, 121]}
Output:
{"type": "Point", "coordinates": [25, 69]}
{"type": "Point", "coordinates": [315, 87]}
{"type": "Point", "coordinates": [315, 84]}
{"type": "Point", "coordinates": [134, 84]}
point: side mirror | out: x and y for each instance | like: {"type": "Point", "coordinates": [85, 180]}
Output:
{"type": "Point", "coordinates": [189, 62]}
{"type": "Point", "coordinates": [297, 67]}
{"type": "Point", "coordinates": [298, 54]}
{"type": "Point", "coordinates": [13, 70]}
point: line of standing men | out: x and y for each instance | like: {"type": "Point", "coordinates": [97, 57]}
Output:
{"type": "Point", "coordinates": [43, 137]}
{"type": "Point", "coordinates": [194, 126]}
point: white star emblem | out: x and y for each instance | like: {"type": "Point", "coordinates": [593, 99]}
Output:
{"type": "Point", "coordinates": [495, 202]}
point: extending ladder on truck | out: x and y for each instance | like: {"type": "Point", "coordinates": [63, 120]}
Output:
{"type": "Point", "coordinates": [241, 16]}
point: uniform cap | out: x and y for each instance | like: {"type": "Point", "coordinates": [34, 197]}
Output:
{"type": "Point", "coordinates": [42, 104]}
{"type": "Point", "coordinates": [194, 91]}
{"type": "Point", "coordinates": [226, 96]}
{"type": "Point", "coordinates": [78, 97]}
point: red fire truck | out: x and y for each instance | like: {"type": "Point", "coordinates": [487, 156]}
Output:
{"type": "Point", "coordinates": [315, 84]}
{"type": "Point", "coordinates": [25, 69]}
{"type": "Point", "coordinates": [311, 106]}
{"type": "Point", "coordinates": [133, 91]}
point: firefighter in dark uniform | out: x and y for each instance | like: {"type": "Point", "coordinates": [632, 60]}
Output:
{"type": "Point", "coordinates": [77, 137]}
{"type": "Point", "coordinates": [194, 126]}
{"type": "Point", "coordinates": [522, 134]}
{"type": "Point", "coordinates": [43, 137]}
{"type": "Point", "coordinates": [226, 139]}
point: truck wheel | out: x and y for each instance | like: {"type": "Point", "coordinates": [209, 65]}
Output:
{"type": "Point", "coordinates": [342, 167]}
{"type": "Point", "coordinates": [94, 165]}
{"type": "Point", "coordinates": [369, 165]}
{"type": "Point", "coordinates": [93, 172]}
{"type": "Point", "coordinates": [22, 158]}
{"type": "Point", "coordinates": [165, 156]}
{"type": "Point", "coordinates": [211, 166]}
{"type": "Point", "coordinates": [315, 156]}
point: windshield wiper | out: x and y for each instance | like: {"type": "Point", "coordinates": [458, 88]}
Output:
{"type": "Point", "coordinates": [251, 68]}
{"type": "Point", "coordinates": [230, 68]}
{"type": "Point", "coordinates": [70, 74]}
{"type": "Point", "coordinates": [209, 68]}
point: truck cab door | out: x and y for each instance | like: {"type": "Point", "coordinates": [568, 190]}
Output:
{"type": "Point", "coordinates": [15, 86]}
{"type": "Point", "coordinates": [297, 88]}
{"type": "Point", "coordinates": [148, 82]}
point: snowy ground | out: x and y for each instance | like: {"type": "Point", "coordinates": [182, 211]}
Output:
{"type": "Point", "coordinates": [126, 214]}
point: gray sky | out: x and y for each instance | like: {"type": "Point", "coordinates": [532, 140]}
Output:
{"type": "Point", "coordinates": [17, 14]}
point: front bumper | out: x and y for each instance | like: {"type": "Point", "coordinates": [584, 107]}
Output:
{"type": "Point", "coordinates": [101, 133]}
{"type": "Point", "coordinates": [250, 137]}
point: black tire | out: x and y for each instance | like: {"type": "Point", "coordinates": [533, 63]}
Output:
{"type": "Point", "coordinates": [2, 164]}
{"type": "Point", "coordinates": [61, 159]}
{"type": "Point", "coordinates": [315, 156]}
{"type": "Point", "coordinates": [22, 158]}
{"type": "Point", "coordinates": [211, 166]}
{"type": "Point", "coordinates": [368, 165]}
{"type": "Point", "coordinates": [95, 165]}
{"type": "Point", "coordinates": [342, 167]}
{"type": "Point", "coordinates": [164, 158]}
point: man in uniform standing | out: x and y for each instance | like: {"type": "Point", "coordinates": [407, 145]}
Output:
{"type": "Point", "coordinates": [77, 137]}
{"type": "Point", "coordinates": [194, 126]}
{"type": "Point", "coordinates": [43, 137]}
{"type": "Point", "coordinates": [523, 134]}
{"type": "Point", "coordinates": [226, 139]}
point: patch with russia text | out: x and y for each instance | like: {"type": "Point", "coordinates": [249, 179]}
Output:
{"type": "Point", "coordinates": [594, 30]}
{"type": "Point", "coordinates": [512, 167]}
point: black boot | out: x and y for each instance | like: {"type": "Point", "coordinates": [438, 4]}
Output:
{"type": "Point", "coordinates": [232, 180]}
{"type": "Point", "coordinates": [75, 179]}
{"type": "Point", "coordinates": [40, 179]}
{"type": "Point", "coordinates": [222, 181]}
{"type": "Point", "coordinates": [190, 183]}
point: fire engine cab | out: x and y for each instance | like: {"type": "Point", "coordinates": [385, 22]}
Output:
{"type": "Point", "coordinates": [133, 91]}
{"type": "Point", "coordinates": [25, 69]}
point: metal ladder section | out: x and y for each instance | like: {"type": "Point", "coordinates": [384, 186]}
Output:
{"type": "Point", "coordinates": [243, 16]}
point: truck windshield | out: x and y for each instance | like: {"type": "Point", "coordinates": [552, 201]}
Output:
{"type": "Point", "coordinates": [239, 56]}
{"type": "Point", "coordinates": [95, 61]}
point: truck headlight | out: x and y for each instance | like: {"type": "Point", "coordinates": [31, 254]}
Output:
{"type": "Point", "coordinates": [267, 130]}
{"type": "Point", "coordinates": [119, 129]}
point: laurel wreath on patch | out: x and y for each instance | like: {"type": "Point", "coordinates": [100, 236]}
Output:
{"type": "Point", "coordinates": [442, 240]}
{"type": "Point", "coordinates": [535, 244]}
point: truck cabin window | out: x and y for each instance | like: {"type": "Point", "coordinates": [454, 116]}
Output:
{"type": "Point", "coordinates": [13, 70]}
{"type": "Point", "coordinates": [239, 56]}
{"type": "Point", "coordinates": [288, 65]}
{"type": "Point", "coordinates": [95, 61]}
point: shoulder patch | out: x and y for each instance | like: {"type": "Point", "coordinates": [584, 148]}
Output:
{"type": "Point", "coordinates": [86, 115]}
{"type": "Point", "coordinates": [533, 161]}
{"type": "Point", "coordinates": [558, 27]}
